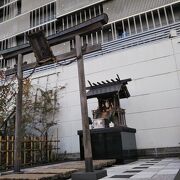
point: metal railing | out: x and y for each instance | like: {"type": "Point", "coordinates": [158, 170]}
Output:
{"type": "Point", "coordinates": [126, 42]}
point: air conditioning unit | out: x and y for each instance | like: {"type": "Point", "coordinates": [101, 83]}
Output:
{"type": "Point", "coordinates": [173, 33]}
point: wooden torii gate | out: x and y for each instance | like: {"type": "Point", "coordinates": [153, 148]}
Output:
{"type": "Point", "coordinates": [41, 47]}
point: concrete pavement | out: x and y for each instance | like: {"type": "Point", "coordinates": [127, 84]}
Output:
{"type": "Point", "coordinates": [142, 169]}
{"type": "Point", "coordinates": [145, 169]}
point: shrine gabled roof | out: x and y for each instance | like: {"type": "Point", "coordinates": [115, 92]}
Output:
{"type": "Point", "coordinates": [108, 88]}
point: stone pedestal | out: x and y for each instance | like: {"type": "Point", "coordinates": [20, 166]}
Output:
{"type": "Point", "coordinates": [111, 143]}
{"type": "Point", "coordinates": [177, 176]}
{"type": "Point", "coordinates": [98, 174]}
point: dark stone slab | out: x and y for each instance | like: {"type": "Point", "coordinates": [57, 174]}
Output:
{"type": "Point", "coordinates": [147, 164]}
{"type": "Point", "coordinates": [160, 153]}
{"type": "Point", "coordinates": [110, 130]}
{"type": "Point", "coordinates": [89, 175]}
{"type": "Point", "coordinates": [154, 161]}
{"type": "Point", "coordinates": [177, 176]}
{"type": "Point", "coordinates": [132, 171]}
{"type": "Point", "coordinates": [111, 143]}
{"type": "Point", "coordinates": [141, 167]}
{"type": "Point", "coordinates": [122, 176]}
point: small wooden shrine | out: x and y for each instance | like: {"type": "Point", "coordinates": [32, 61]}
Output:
{"type": "Point", "coordinates": [119, 141]}
{"type": "Point", "coordinates": [109, 93]}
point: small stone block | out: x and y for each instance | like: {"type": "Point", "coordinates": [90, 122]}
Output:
{"type": "Point", "coordinates": [121, 176]}
{"type": "Point", "coordinates": [153, 162]}
{"type": "Point", "coordinates": [177, 176]}
{"type": "Point", "coordinates": [133, 171]}
{"type": "Point", "coordinates": [156, 160]}
{"type": "Point", "coordinates": [89, 175]}
{"type": "Point", "coordinates": [141, 167]}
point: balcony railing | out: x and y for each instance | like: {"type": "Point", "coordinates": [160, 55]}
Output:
{"type": "Point", "coordinates": [117, 35]}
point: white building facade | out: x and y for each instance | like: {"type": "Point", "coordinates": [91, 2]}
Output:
{"type": "Point", "coordinates": [141, 42]}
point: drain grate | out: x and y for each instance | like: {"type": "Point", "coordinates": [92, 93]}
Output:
{"type": "Point", "coordinates": [122, 176]}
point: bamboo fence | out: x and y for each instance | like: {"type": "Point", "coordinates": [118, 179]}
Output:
{"type": "Point", "coordinates": [34, 150]}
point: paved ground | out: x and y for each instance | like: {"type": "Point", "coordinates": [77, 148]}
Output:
{"type": "Point", "coordinates": [145, 169]}
{"type": "Point", "coordinates": [54, 172]}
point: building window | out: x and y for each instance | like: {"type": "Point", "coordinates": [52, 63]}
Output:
{"type": "Point", "coordinates": [43, 18]}
{"type": "Point", "coordinates": [143, 22]}
{"type": "Point", "coordinates": [10, 10]}
{"type": "Point", "coordinates": [43, 14]}
{"type": "Point", "coordinates": [3, 63]}
{"type": "Point", "coordinates": [78, 17]}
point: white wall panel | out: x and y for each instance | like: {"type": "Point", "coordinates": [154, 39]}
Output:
{"type": "Point", "coordinates": [29, 58]}
{"type": "Point", "coordinates": [67, 114]}
{"type": "Point", "coordinates": [177, 60]}
{"type": "Point", "coordinates": [14, 26]}
{"type": "Point", "coordinates": [68, 6]}
{"type": "Point", "coordinates": [178, 73]}
{"type": "Point", "coordinates": [131, 56]}
{"type": "Point", "coordinates": [70, 99]}
{"type": "Point", "coordinates": [156, 138]}
{"type": "Point", "coordinates": [75, 144]}
{"type": "Point", "coordinates": [28, 5]}
{"type": "Point", "coordinates": [65, 129]}
{"type": "Point", "coordinates": [162, 100]}
{"type": "Point", "coordinates": [70, 128]}
{"type": "Point", "coordinates": [134, 71]}
{"type": "Point", "coordinates": [65, 144]}
{"type": "Point", "coordinates": [61, 48]}
{"type": "Point", "coordinates": [155, 89]}
{"type": "Point", "coordinates": [69, 72]}
{"type": "Point", "coordinates": [71, 85]}
{"type": "Point", "coordinates": [176, 44]}
{"type": "Point", "coordinates": [69, 144]}
{"type": "Point", "coordinates": [154, 119]}
{"type": "Point", "coordinates": [76, 125]}
{"type": "Point", "coordinates": [153, 84]}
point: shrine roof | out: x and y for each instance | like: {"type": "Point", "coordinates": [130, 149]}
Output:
{"type": "Point", "coordinates": [108, 88]}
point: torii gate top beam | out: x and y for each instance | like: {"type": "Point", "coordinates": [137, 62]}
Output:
{"type": "Point", "coordinates": [86, 27]}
